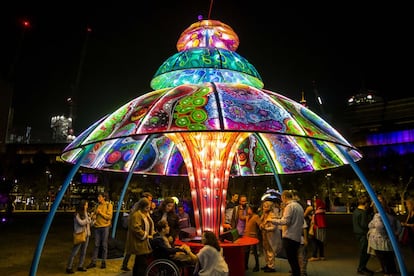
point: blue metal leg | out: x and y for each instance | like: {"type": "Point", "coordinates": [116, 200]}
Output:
{"type": "Point", "coordinates": [53, 209]}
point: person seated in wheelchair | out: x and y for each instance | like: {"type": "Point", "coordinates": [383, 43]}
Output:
{"type": "Point", "coordinates": [163, 249]}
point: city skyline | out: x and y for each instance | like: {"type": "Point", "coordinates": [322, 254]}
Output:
{"type": "Point", "coordinates": [343, 50]}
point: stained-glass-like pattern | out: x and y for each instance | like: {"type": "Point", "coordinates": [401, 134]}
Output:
{"type": "Point", "coordinates": [210, 118]}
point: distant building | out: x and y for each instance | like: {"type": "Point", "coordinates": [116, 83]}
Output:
{"type": "Point", "coordinates": [61, 129]}
{"type": "Point", "coordinates": [387, 125]}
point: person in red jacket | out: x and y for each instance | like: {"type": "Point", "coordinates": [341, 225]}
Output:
{"type": "Point", "coordinates": [318, 236]}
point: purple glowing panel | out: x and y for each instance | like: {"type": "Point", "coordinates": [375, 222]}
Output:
{"type": "Point", "coordinates": [395, 137]}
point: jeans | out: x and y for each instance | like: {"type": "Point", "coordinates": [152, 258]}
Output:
{"type": "Point", "coordinates": [75, 250]}
{"type": "Point", "coordinates": [101, 238]}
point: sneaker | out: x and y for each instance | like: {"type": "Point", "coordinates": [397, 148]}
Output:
{"type": "Point", "coordinates": [82, 269]}
{"type": "Point", "coordinates": [91, 265]}
{"type": "Point", "coordinates": [125, 268]}
{"type": "Point", "coordinates": [69, 271]}
{"type": "Point", "coordinates": [313, 259]}
{"type": "Point", "coordinates": [103, 264]}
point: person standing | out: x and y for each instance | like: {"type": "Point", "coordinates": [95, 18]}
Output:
{"type": "Point", "coordinates": [238, 218]}
{"type": "Point", "coordinates": [303, 248]}
{"type": "Point", "coordinates": [183, 222]}
{"type": "Point", "coordinates": [379, 242]}
{"type": "Point", "coordinates": [271, 236]}
{"type": "Point", "coordinates": [252, 230]}
{"type": "Point", "coordinates": [140, 231]}
{"type": "Point", "coordinates": [229, 210]}
{"type": "Point", "coordinates": [166, 211]}
{"type": "Point", "coordinates": [102, 217]}
{"type": "Point", "coordinates": [81, 222]}
{"type": "Point", "coordinates": [409, 221]}
{"type": "Point", "coordinates": [134, 207]}
{"type": "Point", "coordinates": [318, 225]}
{"type": "Point", "coordinates": [292, 226]}
{"type": "Point", "coordinates": [360, 219]}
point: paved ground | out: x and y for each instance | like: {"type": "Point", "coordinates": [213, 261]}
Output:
{"type": "Point", "coordinates": [20, 237]}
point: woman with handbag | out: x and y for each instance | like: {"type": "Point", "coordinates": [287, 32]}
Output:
{"type": "Point", "coordinates": [81, 234]}
{"type": "Point", "coordinates": [409, 222]}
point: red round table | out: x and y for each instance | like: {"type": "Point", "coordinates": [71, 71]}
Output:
{"type": "Point", "coordinates": [233, 252]}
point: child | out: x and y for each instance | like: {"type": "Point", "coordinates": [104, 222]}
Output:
{"type": "Point", "coordinates": [251, 230]}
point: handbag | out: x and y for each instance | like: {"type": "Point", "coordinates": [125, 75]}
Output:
{"type": "Point", "coordinates": [79, 237]}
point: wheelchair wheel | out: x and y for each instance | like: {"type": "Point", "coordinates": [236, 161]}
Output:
{"type": "Point", "coordinates": [162, 267]}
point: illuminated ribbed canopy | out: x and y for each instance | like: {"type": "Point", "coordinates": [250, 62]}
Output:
{"type": "Point", "coordinates": [297, 139]}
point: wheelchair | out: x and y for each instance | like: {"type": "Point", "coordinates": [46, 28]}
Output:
{"type": "Point", "coordinates": [162, 267]}
{"type": "Point", "coordinates": [167, 267]}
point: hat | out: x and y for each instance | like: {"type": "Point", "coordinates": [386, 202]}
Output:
{"type": "Point", "coordinates": [272, 195]}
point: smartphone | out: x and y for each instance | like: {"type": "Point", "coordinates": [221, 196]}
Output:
{"type": "Point", "coordinates": [309, 202]}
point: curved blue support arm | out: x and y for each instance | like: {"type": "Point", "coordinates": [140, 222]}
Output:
{"type": "Point", "coordinates": [381, 211]}
{"type": "Point", "coordinates": [53, 209]}
{"type": "Point", "coordinates": [121, 197]}
{"type": "Point", "coordinates": [270, 160]}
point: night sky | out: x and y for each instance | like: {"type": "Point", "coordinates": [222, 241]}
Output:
{"type": "Point", "coordinates": [342, 46]}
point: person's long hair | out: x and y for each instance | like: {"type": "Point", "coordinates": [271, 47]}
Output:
{"type": "Point", "coordinates": [164, 203]}
{"type": "Point", "coordinates": [211, 239]}
{"type": "Point", "coordinates": [80, 209]}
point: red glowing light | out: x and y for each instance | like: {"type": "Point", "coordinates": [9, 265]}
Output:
{"type": "Point", "coordinates": [26, 23]}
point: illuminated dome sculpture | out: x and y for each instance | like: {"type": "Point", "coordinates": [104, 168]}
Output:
{"type": "Point", "coordinates": [209, 118]}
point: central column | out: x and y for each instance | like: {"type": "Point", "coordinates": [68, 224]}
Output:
{"type": "Point", "coordinates": [208, 157]}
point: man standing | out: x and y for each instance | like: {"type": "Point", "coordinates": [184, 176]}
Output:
{"type": "Point", "coordinates": [229, 210]}
{"type": "Point", "coordinates": [238, 218]}
{"type": "Point", "coordinates": [184, 222]}
{"type": "Point", "coordinates": [102, 217]}
{"type": "Point", "coordinates": [360, 220]}
{"type": "Point", "coordinates": [292, 226]}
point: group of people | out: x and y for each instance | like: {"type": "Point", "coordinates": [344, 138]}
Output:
{"type": "Point", "coordinates": [283, 224]}
{"type": "Point", "coordinates": [373, 239]}
{"type": "Point", "coordinates": [151, 233]}
{"type": "Point", "coordinates": [101, 219]}
{"type": "Point", "coordinates": [154, 235]}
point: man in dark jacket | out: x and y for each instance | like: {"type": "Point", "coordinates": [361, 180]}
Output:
{"type": "Point", "coordinates": [360, 219]}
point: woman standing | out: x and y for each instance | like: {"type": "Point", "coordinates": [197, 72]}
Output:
{"type": "Point", "coordinates": [409, 222]}
{"type": "Point", "coordinates": [210, 260]}
{"type": "Point", "coordinates": [166, 211]}
{"type": "Point", "coordinates": [319, 231]}
{"type": "Point", "coordinates": [271, 236]}
{"type": "Point", "coordinates": [81, 222]}
{"type": "Point", "coordinates": [140, 231]}
{"type": "Point", "coordinates": [379, 242]}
